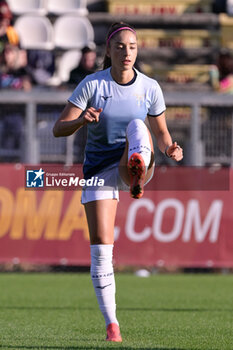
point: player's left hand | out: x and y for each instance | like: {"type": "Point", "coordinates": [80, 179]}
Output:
{"type": "Point", "coordinates": [175, 152]}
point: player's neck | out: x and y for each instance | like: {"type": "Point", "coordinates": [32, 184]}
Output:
{"type": "Point", "coordinates": [122, 77]}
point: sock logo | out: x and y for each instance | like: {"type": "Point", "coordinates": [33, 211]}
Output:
{"type": "Point", "coordinates": [102, 275]}
{"type": "Point", "coordinates": [104, 286]}
{"type": "Point", "coordinates": [137, 147]}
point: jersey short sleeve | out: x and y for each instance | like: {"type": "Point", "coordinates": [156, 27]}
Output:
{"type": "Point", "coordinates": [82, 94]}
{"type": "Point", "coordinates": [157, 105]}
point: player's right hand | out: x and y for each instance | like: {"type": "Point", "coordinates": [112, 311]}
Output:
{"type": "Point", "coordinates": [91, 115]}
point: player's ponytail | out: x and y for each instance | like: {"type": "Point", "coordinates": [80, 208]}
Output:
{"type": "Point", "coordinates": [115, 28]}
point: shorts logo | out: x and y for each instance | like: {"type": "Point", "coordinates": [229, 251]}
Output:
{"type": "Point", "coordinates": [35, 178]}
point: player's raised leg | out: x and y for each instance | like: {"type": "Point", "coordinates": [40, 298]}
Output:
{"type": "Point", "coordinates": [136, 165]}
{"type": "Point", "coordinates": [101, 217]}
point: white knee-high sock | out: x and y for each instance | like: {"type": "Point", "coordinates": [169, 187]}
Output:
{"type": "Point", "coordinates": [103, 280]}
{"type": "Point", "coordinates": [138, 139]}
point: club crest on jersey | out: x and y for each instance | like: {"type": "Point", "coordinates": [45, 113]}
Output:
{"type": "Point", "coordinates": [140, 98]}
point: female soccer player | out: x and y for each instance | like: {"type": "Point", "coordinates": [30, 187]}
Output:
{"type": "Point", "coordinates": [114, 103]}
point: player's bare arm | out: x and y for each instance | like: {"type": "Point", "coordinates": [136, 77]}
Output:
{"type": "Point", "coordinates": [166, 145]}
{"type": "Point", "coordinates": [72, 118]}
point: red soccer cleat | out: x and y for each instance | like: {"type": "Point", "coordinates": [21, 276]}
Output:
{"type": "Point", "coordinates": [113, 333]}
{"type": "Point", "coordinates": [137, 172]}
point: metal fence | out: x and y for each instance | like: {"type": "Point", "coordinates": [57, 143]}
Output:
{"type": "Point", "coordinates": [201, 122]}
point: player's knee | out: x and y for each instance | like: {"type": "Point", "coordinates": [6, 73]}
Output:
{"type": "Point", "coordinates": [135, 124]}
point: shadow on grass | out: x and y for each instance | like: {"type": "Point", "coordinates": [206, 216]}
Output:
{"type": "Point", "coordinates": [145, 309]}
{"type": "Point", "coordinates": [41, 308]}
{"type": "Point", "coordinates": [86, 347]}
{"type": "Point", "coordinates": [172, 309]}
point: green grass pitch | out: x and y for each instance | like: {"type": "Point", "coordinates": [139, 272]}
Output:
{"type": "Point", "coordinates": [162, 312]}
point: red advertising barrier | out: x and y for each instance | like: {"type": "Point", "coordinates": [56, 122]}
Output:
{"type": "Point", "coordinates": [189, 226]}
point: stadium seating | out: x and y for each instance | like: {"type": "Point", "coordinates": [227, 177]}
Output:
{"type": "Point", "coordinates": [73, 32]}
{"type": "Point", "coordinates": [21, 7]}
{"type": "Point", "coordinates": [161, 7]}
{"type": "Point", "coordinates": [226, 31]}
{"type": "Point", "coordinates": [180, 73]}
{"type": "Point", "coordinates": [68, 61]}
{"type": "Point", "coordinates": [35, 32]}
{"type": "Point", "coordinates": [60, 7]}
{"type": "Point", "coordinates": [229, 7]}
{"type": "Point", "coordinates": [185, 39]}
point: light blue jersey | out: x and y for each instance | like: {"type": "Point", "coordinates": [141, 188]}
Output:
{"type": "Point", "coordinates": [120, 103]}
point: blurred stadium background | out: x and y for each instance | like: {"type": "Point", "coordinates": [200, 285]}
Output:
{"type": "Point", "coordinates": [180, 42]}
